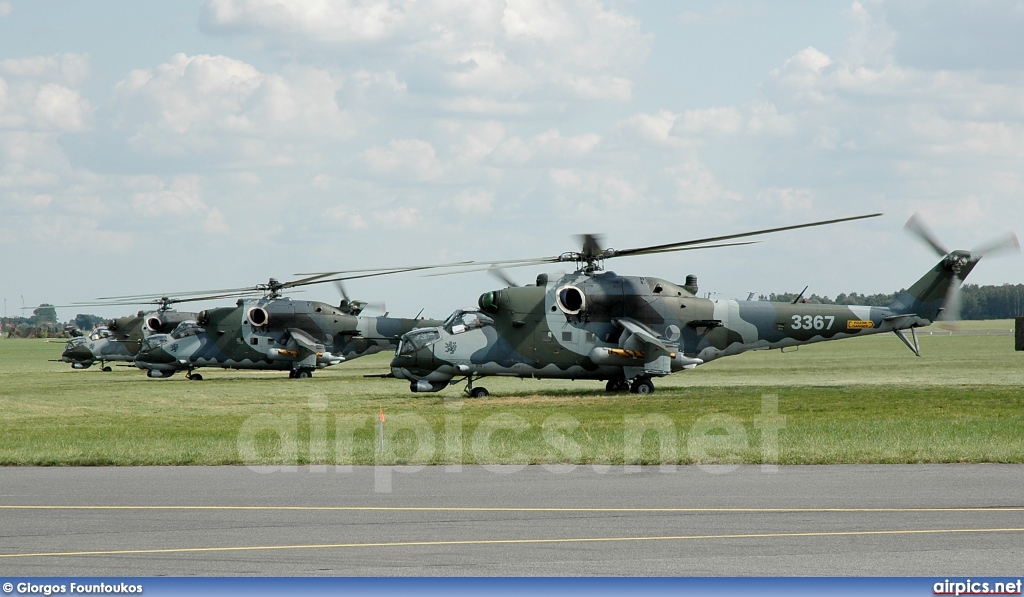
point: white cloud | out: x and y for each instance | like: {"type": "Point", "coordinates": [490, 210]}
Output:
{"type": "Point", "coordinates": [404, 159]}
{"type": "Point", "coordinates": [348, 217]}
{"type": "Point", "coordinates": [489, 49]}
{"type": "Point", "coordinates": [726, 121]}
{"type": "Point", "coordinates": [697, 187]}
{"type": "Point", "coordinates": [797, 201]}
{"type": "Point", "coordinates": [197, 103]}
{"type": "Point", "coordinates": [5, 9]}
{"type": "Point", "coordinates": [548, 147]}
{"type": "Point", "coordinates": [596, 195]}
{"type": "Point", "coordinates": [66, 69]}
{"type": "Point", "coordinates": [60, 108]}
{"type": "Point", "coordinates": [399, 218]}
{"type": "Point", "coordinates": [181, 198]}
{"type": "Point", "coordinates": [474, 201]}
{"type": "Point", "coordinates": [37, 93]}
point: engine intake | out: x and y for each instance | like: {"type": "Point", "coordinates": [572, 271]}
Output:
{"type": "Point", "coordinates": [153, 323]}
{"type": "Point", "coordinates": [571, 300]}
{"type": "Point", "coordinates": [258, 316]}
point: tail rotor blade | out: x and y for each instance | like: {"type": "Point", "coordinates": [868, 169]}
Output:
{"type": "Point", "coordinates": [951, 305]}
{"type": "Point", "coordinates": [1008, 242]}
{"type": "Point", "coordinates": [916, 227]}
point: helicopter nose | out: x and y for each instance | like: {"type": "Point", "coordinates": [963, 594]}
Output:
{"type": "Point", "coordinates": [400, 367]}
{"type": "Point", "coordinates": [78, 353]}
{"type": "Point", "coordinates": [155, 355]}
{"type": "Point", "coordinates": [414, 365]}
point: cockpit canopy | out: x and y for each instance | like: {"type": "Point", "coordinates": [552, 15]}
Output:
{"type": "Point", "coordinates": [186, 328]}
{"type": "Point", "coordinates": [183, 330]}
{"type": "Point", "coordinates": [154, 341]}
{"type": "Point", "coordinates": [76, 341]}
{"type": "Point", "coordinates": [458, 322]}
{"type": "Point", "coordinates": [417, 339]}
{"type": "Point", "coordinates": [100, 333]}
{"type": "Point", "coordinates": [463, 320]}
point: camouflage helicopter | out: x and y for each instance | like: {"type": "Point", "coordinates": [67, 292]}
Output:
{"type": "Point", "coordinates": [273, 332]}
{"type": "Point", "coordinates": [626, 330]}
{"type": "Point", "coordinates": [118, 340]}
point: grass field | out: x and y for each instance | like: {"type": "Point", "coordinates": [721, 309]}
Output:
{"type": "Point", "coordinates": [866, 400]}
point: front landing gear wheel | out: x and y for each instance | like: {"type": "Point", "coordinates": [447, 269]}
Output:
{"type": "Point", "coordinates": [196, 377]}
{"type": "Point", "coordinates": [479, 393]}
{"type": "Point", "coordinates": [107, 369]}
{"type": "Point", "coordinates": [642, 386]}
{"type": "Point", "coordinates": [616, 385]}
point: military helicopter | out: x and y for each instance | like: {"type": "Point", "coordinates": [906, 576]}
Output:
{"type": "Point", "coordinates": [626, 330]}
{"type": "Point", "coordinates": [273, 332]}
{"type": "Point", "coordinates": [119, 339]}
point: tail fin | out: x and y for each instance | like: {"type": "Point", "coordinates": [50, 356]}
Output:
{"type": "Point", "coordinates": [929, 297]}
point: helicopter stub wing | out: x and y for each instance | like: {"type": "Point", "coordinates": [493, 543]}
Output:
{"type": "Point", "coordinates": [641, 332]}
{"type": "Point", "coordinates": [655, 353]}
{"type": "Point", "coordinates": [301, 348]}
{"type": "Point", "coordinates": [303, 341]}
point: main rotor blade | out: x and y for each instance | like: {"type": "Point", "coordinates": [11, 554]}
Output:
{"type": "Point", "coordinates": [501, 274]}
{"type": "Point", "coordinates": [167, 300]}
{"type": "Point", "coordinates": [275, 286]}
{"type": "Point", "coordinates": [397, 268]}
{"type": "Point", "coordinates": [688, 243]}
{"type": "Point", "coordinates": [510, 263]}
{"type": "Point", "coordinates": [341, 290]}
{"type": "Point", "coordinates": [915, 226]}
{"type": "Point", "coordinates": [591, 247]}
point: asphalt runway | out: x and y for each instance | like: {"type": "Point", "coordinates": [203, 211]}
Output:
{"type": "Point", "coordinates": [902, 520]}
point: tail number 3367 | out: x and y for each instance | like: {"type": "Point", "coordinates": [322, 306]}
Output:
{"type": "Point", "coordinates": [816, 322]}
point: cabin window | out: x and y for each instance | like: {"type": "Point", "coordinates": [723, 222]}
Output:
{"type": "Point", "coordinates": [254, 341]}
{"type": "Point", "coordinates": [566, 336]}
{"type": "Point", "coordinates": [591, 337]}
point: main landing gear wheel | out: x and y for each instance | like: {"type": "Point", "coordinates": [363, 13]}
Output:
{"type": "Point", "coordinates": [300, 374]}
{"type": "Point", "coordinates": [479, 393]}
{"type": "Point", "coordinates": [194, 376]}
{"type": "Point", "coordinates": [107, 369]}
{"type": "Point", "coordinates": [642, 386]}
{"type": "Point", "coordinates": [616, 385]}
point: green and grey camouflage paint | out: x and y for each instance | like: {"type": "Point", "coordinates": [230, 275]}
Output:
{"type": "Point", "coordinates": [627, 329]}
{"type": "Point", "coordinates": [119, 339]}
{"type": "Point", "coordinates": [272, 334]}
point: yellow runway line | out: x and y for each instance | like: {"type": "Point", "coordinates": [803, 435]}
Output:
{"type": "Point", "coordinates": [509, 542]}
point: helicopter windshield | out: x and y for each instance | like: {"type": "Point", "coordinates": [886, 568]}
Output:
{"type": "Point", "coordinates": [414, 341]}
{"type": "Point", "coordinates": [154, 341]}
{"type": "Point", "coordinates": [460, 321]}
{"type": "Point", "coordinates": [80, 340]}
{"type": "Point", "coordinates": [185, 329]}
{"type": "Point", "coordinates": [100, 334]}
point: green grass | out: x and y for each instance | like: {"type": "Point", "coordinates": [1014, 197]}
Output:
{"type": "Point", "coordinates": [867, 400]}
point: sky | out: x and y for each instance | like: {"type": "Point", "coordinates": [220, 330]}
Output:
{"type": "Point", "coordinates": [165, 147]}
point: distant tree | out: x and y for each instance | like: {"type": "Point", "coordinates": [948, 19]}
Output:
{"type": "Point", "coordinates": [45, 313]}
{"type": "Point", "coordinates": [86, 322]}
